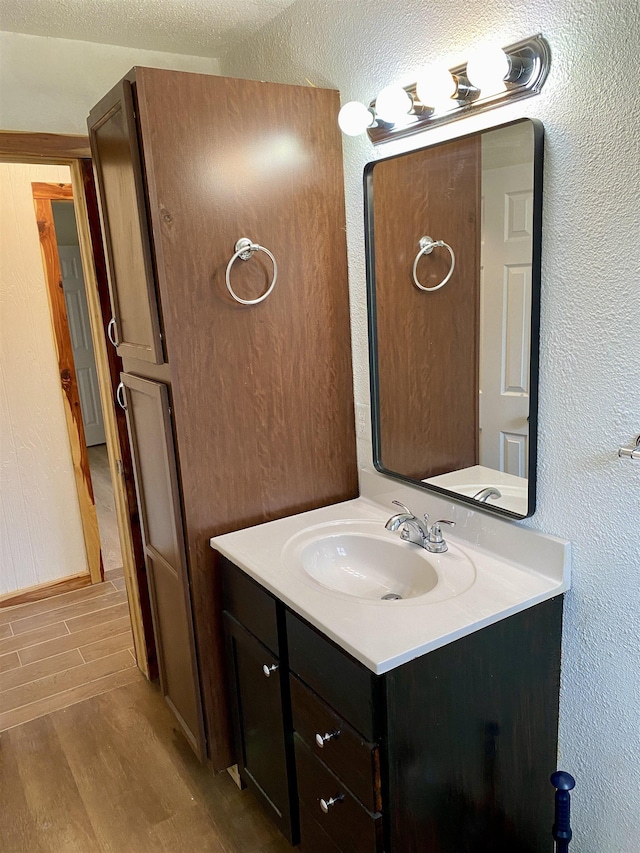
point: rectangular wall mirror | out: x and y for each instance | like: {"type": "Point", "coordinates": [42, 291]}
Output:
{"type": "Point", "coordinates": [453, 237]}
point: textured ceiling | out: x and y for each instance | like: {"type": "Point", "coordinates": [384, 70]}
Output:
{"type": "Point", "coordinates": [197, 27]}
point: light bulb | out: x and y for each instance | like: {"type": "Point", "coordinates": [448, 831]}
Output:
{"type": "Point", "coordinates": [354, 118]}
{"type": "Point", "coordinates": [393, 104]}
{"type": "Point", "coordinates": [487, 68]}
{"type": "Point", "coordinates": [436, 85]}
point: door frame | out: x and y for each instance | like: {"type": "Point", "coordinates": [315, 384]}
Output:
{"type": "Point", "coordinates": [74, 151]}
{"type": "Point", "coordinates": [43, 195]}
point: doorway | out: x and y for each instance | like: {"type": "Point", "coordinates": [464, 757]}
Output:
{"type": "Point", "coordinates": [71, 278]}
{"type": "Point", "coordinates": [110, 465]}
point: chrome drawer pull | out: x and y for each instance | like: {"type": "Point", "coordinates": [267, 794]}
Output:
{"type": "Point", "coordinates": [269, 669]}
{"type": "Point", "coordinates": [325, 738]}
{"type": "Point", "coordinates": [325, 805]}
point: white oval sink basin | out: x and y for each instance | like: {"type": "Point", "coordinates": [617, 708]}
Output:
{"type": "Point", "coordinates": [367, 567]}
{"type": "Point", "coordinates": [362, 559]}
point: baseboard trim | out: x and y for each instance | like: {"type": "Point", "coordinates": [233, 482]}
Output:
{"type": "Point", "coordinates": [44, 590]}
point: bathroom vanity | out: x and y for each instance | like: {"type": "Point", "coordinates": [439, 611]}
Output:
{"type": "Point", "coordinates": [427, 723]}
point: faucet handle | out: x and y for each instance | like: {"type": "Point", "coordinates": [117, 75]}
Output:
{"type": "Point", "coordinates": [408, 511]}
{"type": "Point", "coordinates": [435, 533]}
{"type": "Point", "coordinates": [436, 525]}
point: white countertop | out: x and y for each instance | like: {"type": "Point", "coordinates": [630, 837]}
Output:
{"type": "Point", "coordinates": [519, 569]}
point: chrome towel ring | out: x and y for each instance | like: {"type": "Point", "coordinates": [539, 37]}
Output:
{"type": "Point", "coordinates": [427, 245]}
{"type": "Point", "coordinates": [245, 249]}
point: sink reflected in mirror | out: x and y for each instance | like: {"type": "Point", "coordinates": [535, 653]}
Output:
{"type": "Point", "coordinates": [363, 560]}
{"type": "Point", "coordinates": [492, 488]}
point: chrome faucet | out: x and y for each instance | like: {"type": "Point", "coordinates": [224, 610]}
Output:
{"type": "Point", "coordinates": [417, 531]}
{"type": "Point", "coordinates": [484, 494]}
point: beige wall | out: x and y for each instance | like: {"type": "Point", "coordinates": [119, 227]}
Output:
{"type": "Point", "coordinates": [40, 530]}
{"type": "Point", "coordinates": [49, 84]}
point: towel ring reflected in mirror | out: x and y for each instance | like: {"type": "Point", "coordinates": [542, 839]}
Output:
{"type": "Point", "coordinates": [427, 245]}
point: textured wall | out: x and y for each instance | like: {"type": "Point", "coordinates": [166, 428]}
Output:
{"type": "Point", "coordinates": [590, 371]}
{"type": "Point", "coordinates": [40, 530]}
{"type": "Point", "coordinates": [50, 84]}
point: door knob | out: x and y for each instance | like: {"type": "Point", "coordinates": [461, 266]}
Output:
{"type": "Point", "coordinates": [269, 669]}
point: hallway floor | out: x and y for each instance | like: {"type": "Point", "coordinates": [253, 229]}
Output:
{"type": "Point", "coordinates": [64, 649]}
{"type": "Point", "coordinates": [105, 506]}
{"type": "Point", "coordinates": [112, 775]}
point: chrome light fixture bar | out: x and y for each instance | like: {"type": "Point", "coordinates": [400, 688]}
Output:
{"type": "Point", "coordinates": [488, 80]}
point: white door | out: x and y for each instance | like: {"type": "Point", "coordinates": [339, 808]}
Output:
{"type": "Point", "coordinates": [78, 316]}
{"type": "Point", "coordinates": [505, 305]}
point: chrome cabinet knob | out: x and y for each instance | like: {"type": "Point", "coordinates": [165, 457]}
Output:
{"type": "Point", "coordinates": [269, 669]}
{"type": "Point", "coordinates": [325, 738]}
{"type": "Point", "coordinates": [325, 805]}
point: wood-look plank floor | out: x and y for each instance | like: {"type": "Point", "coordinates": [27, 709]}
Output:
{"type": "Point", "coordinates": [105, 506]}
{"type": "Point", "coordinates": [113, 775]}
{"type": "Point", "coordinates": [64, 649]}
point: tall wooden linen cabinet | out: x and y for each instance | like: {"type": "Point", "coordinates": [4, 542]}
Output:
{"type": "Point", "coordinates": [237, 413]}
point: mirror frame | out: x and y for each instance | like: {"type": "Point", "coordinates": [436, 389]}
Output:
{"type": "Point", "coordinates": [536, 261]}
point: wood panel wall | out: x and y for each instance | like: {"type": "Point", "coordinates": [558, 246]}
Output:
{"type": "Point", "coordinates": [428, 342]}
{"type": "Point", "coordinates": [263, 400]}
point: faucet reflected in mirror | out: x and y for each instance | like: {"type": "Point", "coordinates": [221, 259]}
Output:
{"type": "Point", "coordinates": [454, 368]}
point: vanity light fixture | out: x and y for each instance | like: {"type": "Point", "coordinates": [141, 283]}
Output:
{"type": "Point", "coordinates": [490, 68]}
{"type": "Point", "coordinates": [354, 118]}
{"type": "Point", "coordinates": [393, 105]}
{"type": "Point", "coordinates": [439, 90]}
{"type": "Point", "coordinates": [491, 77]}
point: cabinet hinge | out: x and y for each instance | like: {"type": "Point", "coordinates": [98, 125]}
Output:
{"type": "Point", "coordinates": [120, 467]}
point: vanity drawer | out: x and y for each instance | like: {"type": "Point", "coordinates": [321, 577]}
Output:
{"type": "Point", "coordinates": [250, 604]}
{"type": "Point", "coordinates": [346, 753]}
{"type": "Point", "coordinates": [347, 823]}
{"type": "Point", "coordinates": [313, 838]}
{"type": "Point", "coordinates": [344, 683]}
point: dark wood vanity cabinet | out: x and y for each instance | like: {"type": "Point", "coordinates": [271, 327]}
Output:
{"type": "Point", "coordinates": [259, 688]}
{"type": "Point", "coordinates": [449, 752]}
{"type": "Point", "coordinates": [186, 165]}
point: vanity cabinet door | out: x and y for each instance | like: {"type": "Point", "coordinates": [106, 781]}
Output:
{"type": "Point", "coordinates": [154, 463]}
{"type": "Point", "coordinates": [123, 212]}
{"type": "Point", "coordinates": [259, 695]}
